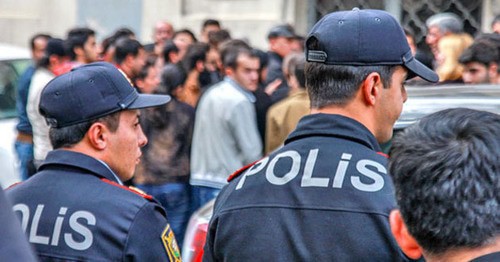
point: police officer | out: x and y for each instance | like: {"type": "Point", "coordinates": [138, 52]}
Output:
{"type": "Point", "coordinates": [326, 195]}
{"type": "Point", "coordinates": [75, 207]}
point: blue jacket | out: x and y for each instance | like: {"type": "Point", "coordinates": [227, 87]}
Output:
{"type": "Point", "coordinates": [324, 196]}
{"type": "Point", "coordinates": [23, 86]}
{"type": "Point", "coordinates": [74, 209]}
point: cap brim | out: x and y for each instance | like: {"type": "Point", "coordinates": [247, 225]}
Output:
{"type": "Point", "coordinates": [146, 100]}
{"type": "Point", "coordinates": [418, 69]}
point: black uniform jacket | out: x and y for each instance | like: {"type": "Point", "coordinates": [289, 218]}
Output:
{"type": "Point", "coordinates": [324, 196]}
{"type": "Point", "coordinates": [73, 209]}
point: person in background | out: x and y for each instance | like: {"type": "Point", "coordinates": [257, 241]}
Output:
{"type": "Point", "coordinates": [208, 26]}
{"type": "Point", "coordinates": [164, 169]}
{"type": "Point", "coordinates": [81, 46]}
{"type": "Point", "coordinates": [170, 53]}
{"type": "Point", "coordinates": [280, 45]}
{"type": "Point", "coordinates": [24, 140]}
{"type": "Point", "coordinates": [162, 32]}
{"type": "Point", "coordinates": [48, 67]}
{"type": "Point", "coordinates": [481, 62]}
{"type": "Point", "coordinates": [198, 77]}
{"type": "Point", "coordinates": [107, 47]}
{"type": "Point", "coordinates": [183, 39]}
{"type": "Point", "coordinates": [440, 25]}
{"type": "Point", "coordinates": [450, 48]}
{"type": "Point", "coordinates": [326, 195]}
{"type": "Point", "coordinates": [282, 117]}
{"type": "Point", "coordinates": [148, 79]}
{"type": "Point", "coordinates": [445, 170]}
{"type": "Point", "coordinates": [130, 57]}
{"type": "Point", "coordinates": [225, 135]}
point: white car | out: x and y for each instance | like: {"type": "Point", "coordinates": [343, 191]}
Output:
{"type": "Point", "coordinates": [13, 62]}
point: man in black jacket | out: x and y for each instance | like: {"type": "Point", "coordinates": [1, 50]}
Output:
{"type": "Point", "coordinates": [326, 195]}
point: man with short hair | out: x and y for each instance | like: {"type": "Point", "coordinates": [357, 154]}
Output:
{"type": "Point", "coordinates": [225, 135]}
{"type": "Point", "coordinates": [208, 26]}
{"type": "Point", "coordinates": [76, 207]}
{"type": "Point", "coordinates": [130, 57]}
{"type": "Point", "coordinates": [81, 46]}
{"type": "Point", "coordinates": [481, 63]}
{"type": "Point", "coordinates": [445, 170]}
{"type": "Point", "coordinates": [326, 195]}
{"type": "Point", "coordinates": [24, 139]}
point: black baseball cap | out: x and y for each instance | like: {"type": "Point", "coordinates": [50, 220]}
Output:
{"type": "Point", "coordinates": [285, 30]}
{"type": "Point", "coordinates": [364, 37]}
{"type": "Point", "coordinates": [89, 92]}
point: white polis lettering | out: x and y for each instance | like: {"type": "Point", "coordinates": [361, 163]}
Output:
{"type": "Point", "coordinates": [378, 180]}
{"type": "Point", "coordinates": [338, 179]}
{"type": "Point", "coordinates": [25, 214]}
{"type": "Point", "coordinates": [34, 238]}
{"type": "Point", "coordinates": [252, 171]}
{"type": "Point", "coordinates": [79, 228]}
{"type": "Point", "coordinates": [307, 179]}
{"type": "Point", "coordinates": [294, 169]}
{"type": "Point", "coordinates": [75, 223]}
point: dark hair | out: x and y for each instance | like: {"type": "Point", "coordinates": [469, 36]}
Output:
{"type": "Point", "coordinates": [172, 76]}
{"type": "Point", "coordinates": [167, 49]}
{"type": "Point", "coordinates": [55, 46]}
{"type": "Point", "coordinates": [77, 38]}
{"type": "Point", "coordinates": [71, 135]}
{"type": "Point", "coordinates": [446, 172]}
{"type": "Point", "coordinates": [208, 22]}
{"type": "Point", "coordinates": [124, 47]}
{"type": "Point", "coordinates": [150, 62]}
{"type": "Point", "coordinates": [299, 71]}
{"type": "Point", "coordinates": [35, 37]}
{"type": "Point", "coordinates": [195, 52]}
{"type": "Point", "coordinates": [215, 38]}
{"type": "Point", "coordinates": [229, 51]}
{"type": "Point", "coordinates": [337, 84]}
{"type": "Point", "coordinates": [185, 31]}
{"type": "Point", "coordinates": [483, 52]}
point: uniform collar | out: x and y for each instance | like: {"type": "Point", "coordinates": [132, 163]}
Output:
{"type": "Point", "coordinates": [334, 125]}
{"type": "Point", "coordinates": [85, 162]}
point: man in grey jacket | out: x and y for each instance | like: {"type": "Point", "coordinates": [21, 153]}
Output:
{"type": "Point", "coordinates": [225, 134]}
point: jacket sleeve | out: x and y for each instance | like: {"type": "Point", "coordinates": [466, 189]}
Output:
{"type": "Point", "coordinates": [245, 132]}
{"type": "Point", "coordinates": [150, 237]}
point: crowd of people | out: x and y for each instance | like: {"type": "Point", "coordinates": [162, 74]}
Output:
{"type": "Point", "coordinates": [286, 118]}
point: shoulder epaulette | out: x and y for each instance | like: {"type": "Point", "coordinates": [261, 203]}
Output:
{"type": "Point", "coordinates": [383, 154]}
{"type": "Point", "coordinates": [240, 171]}
{"type": "Point", "coordinates": [13, 185]}
{"type": "Point", "coordinates": [131, 189]}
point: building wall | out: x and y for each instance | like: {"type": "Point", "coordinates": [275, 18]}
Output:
{"type": "Point", "coordinates": [250, 19]}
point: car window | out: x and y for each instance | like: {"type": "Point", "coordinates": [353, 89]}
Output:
{"type": "Point", "coordinates": [9, 74]}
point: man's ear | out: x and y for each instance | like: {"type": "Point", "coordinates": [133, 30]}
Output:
{"type": "Point", "coordinates": [371, 88]}
{"type": "Point", "coordinates": [98, 136]}
{"type": "Point", "coordinates": [79, 51]}
{"type": "Point", "coordinates": [406, 242]}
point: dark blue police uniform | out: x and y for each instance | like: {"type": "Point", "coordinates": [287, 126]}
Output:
{"type": "Point", "coordinates": [324, 196]}
{"type": "Point", "coordinates": [74, 209]}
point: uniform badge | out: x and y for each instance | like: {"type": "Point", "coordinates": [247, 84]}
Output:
{"type": "Point", "coordinates": [170, 244]}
